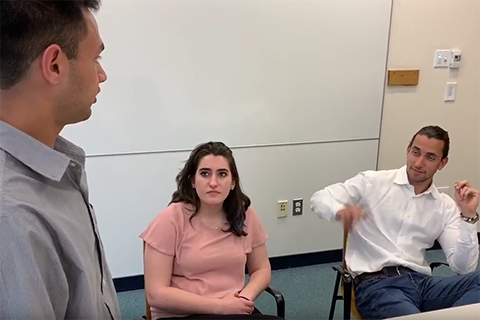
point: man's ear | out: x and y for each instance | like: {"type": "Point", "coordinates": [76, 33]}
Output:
{"type": "Point", "coordinates": [443, 163]}
{"type": "Point", "coordinates": [53, 64]}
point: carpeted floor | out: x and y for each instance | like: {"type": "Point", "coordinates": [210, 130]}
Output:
{"type": "Point", "coordinates": [307, 291]}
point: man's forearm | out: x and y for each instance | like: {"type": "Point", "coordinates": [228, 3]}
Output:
{"type": "Point", "coordinates": [324, 205]}
{"type": "Point", "coordinates": [465, 257]}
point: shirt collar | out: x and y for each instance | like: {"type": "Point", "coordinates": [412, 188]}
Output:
{"type": "Point", "coordinates": [401, 178]}
{"type": "Point", "coordinates": [50, 163]}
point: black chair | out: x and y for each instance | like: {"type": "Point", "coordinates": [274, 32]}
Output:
{"type": "Point", "coordinates": [277, 295]}
{"type": "Point", "coordinates": [279, 300]}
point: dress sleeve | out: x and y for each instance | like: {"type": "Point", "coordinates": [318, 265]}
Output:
{"type": "Point", "coordinates": [162, 232]}
{"type": "Point", "coordinates": [257, 235]}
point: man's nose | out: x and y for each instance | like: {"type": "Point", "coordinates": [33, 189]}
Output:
{"type": "Point", "coordinates": [102, 75]}
{"type": "Point", "coordinates": [420, 161]}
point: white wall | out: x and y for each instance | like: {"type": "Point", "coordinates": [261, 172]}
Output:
{"type": "Point", "coordinates": [295, 87]}
{"type": "Point", "coordinates": [248, 73]}
{"type": "Point", "coordinates": [418, 29]}
{"type": "Point", "coordinates": [128, 191]}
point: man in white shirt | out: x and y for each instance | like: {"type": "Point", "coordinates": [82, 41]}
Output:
{"type": "Point", "coordinates": [393, 217]}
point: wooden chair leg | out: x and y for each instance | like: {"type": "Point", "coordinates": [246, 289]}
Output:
{"type": "Point", "coordinates": [347, 300]}
{"type": "Point", "coordinates": [335, 296]}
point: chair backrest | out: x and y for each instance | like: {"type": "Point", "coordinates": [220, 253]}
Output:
{"type": "Point", "coordinates": [148, 312]}
{"type": "Point", "coordinates": [353, 305]}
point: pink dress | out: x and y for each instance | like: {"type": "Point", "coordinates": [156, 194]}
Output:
{"type": "Point", "coordinates": [208, 261]}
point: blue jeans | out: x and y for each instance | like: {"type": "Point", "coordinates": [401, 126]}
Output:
{"type": "Point", "coordinates": [409, 293]}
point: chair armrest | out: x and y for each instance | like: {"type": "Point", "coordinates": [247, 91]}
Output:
{"type": "Point", "coordinates": [347, 292]}
{"type": "Point", "coordinates": [280, 301]}
{"type": "Point", "coordinates": [433, 265]}
{"type": "Point", "coordinates": [346, 276]}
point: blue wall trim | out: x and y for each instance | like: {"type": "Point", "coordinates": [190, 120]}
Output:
{"type": "Point", "coordinates": [277, 263]}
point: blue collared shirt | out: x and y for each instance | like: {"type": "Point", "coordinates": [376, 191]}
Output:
{"type": "Point", "coordinates": [52, 261]}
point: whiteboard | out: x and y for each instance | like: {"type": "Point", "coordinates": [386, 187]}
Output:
{"type": "Point", "coordinates": [247, 72]}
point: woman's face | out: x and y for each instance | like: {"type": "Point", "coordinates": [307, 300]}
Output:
{"type": "Point", "coordinates": [213, 180]}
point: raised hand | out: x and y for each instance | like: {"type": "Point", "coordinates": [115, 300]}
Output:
{"type": "Point", "coordinates": [467, 198]}
{"type": "Point", "coordinates": [350, 215]}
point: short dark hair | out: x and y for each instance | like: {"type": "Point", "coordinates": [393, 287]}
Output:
{"type": "Point", "coordinates": [236, 203]}
{"type": "Point", "coordinates": [28, 27]}
{"type": "Point", "coordinates": [434, 132]}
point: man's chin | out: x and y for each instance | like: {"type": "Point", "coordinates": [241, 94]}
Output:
{"type": "Point", "coordinates": [80, 117]}
{"type": "Point", "coordinates": [416, 177]}
{"type": "Point", "coordinates": [86, 115]}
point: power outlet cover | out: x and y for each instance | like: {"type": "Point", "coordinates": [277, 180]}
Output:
{"type": "Point", "coordinates": [282, 208]}
{"type": "Point", "coordinates": [297, 208]}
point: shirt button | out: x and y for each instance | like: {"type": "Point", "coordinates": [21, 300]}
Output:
{"type": "Point", "coordinates": [73, 164]}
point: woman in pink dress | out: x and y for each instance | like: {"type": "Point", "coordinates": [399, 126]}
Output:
{"type": "Point", "coordinates": [197, 248]}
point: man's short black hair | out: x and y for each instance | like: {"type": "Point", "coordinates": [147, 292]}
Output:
{"type": "Point", "coordinates": [434, 132]}
{"type": "Point", "coordinates": [28, 27]}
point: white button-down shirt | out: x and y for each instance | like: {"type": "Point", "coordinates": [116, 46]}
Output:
{"type": "Point", "coordinates": [399, 225]}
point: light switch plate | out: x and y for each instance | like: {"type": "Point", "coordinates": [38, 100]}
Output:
{"type": "Point", "coordinates": [442, 58]}
{"type": "Point", "coordinates": [450, 91]}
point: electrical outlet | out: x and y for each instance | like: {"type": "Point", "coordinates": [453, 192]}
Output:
{"type": "Point", "coordinates": [282, 208]}
{"type": "Point", "coordinates": [297, 208]}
